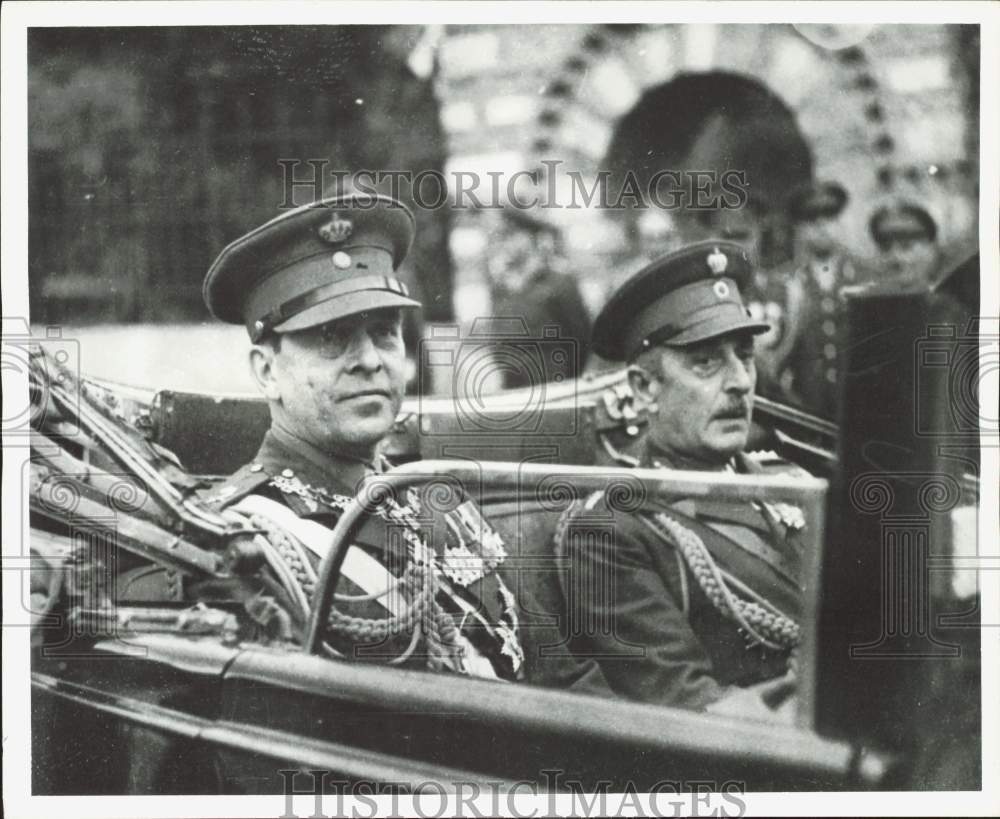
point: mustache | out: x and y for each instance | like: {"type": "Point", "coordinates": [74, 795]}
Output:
{"type": "Point", "coordinates": [738, 409]}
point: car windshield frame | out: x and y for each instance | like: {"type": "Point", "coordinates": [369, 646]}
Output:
{"type": "Point", "coordinates": [809, 493]}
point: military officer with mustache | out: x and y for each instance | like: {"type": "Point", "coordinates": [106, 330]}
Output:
{"type": "Point", "coordinates": [693, 600]}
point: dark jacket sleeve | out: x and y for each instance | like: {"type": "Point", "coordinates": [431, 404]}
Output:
{"type": "Point", "coordinates": [567, 307]}
{"type": "Point", "coordinates": [548, 658]}
{"type": "Point", "coordinates": [624, 589]}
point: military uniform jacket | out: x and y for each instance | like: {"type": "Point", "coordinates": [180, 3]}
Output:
{"type": "Point", "coordinates": [475, 608]}
{"type": "Point", "coordinates": [503, 637]}
{"type": "Point", "coordinates": [545, 300]}
{"type": "Point", "coordinates": [813, 326]}
{"type": "Point", "coordinates": [637, 604]}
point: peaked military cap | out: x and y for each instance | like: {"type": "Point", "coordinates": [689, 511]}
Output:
{"type": "Point", "coordinates": [323, 261]}
{"type": "Point", "coordinates": [902, 219]}
{"type": "Point", "coordinates": [817, 200]}
{"type": "Point", "coordinates": [687, 296]}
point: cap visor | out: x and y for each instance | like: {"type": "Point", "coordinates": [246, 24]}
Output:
{"type": "Point", "coordinates": [350, 304]}
{"type": "Point", "coordinates": [715, 327]}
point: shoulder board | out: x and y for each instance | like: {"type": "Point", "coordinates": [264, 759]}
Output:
{"type": "Point", "coordinates": [580, 510]}
{"type": "Point", "coordinates": [237, 486]}
{"type": "Point", "coordinates": [773, 464]}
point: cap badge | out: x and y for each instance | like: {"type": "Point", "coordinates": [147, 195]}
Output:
{"type": "Point", "coordinates": [341, 260]}
{"type": "Point", "coordinates": [336, 230]}
{"type": "Point", "coordinates": [717, 261]}
{"type": "Point", "coordinates": [721, 289]}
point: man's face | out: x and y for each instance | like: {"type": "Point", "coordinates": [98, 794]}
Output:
{"type": "Point", "coordinates": [742, 225]}
{"type": "Point", "coordinates": [909, 258]}
{"type": "Point", "coordinates": [340, 385]}
{"type": "Point", "coordinates": [817, 237]}
{"type": "Point", "coordinates": [705, 397]}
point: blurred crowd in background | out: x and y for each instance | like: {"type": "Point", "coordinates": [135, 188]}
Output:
{"type": "Point", "coordinates": [150, 149]}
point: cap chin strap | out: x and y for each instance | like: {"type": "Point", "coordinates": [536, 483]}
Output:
{"type": "Point", "coordinates": [292, 307]}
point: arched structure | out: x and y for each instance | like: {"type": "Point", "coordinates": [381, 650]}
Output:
{"type": "Point", "coordinates": [703, 126]}
{"type": "Point", "coordinates": [884, 112]}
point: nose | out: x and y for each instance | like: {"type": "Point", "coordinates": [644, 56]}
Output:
{"type": "Point", "coordinates": [740, 374]}
{"type": "Point", "coordinates": [364, 355]}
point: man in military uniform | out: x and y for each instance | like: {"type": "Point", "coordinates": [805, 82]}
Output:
{"type": "Point", "coordinates": [906, 236]}
{"type": "Point", "coordinates": [527, 285]}
{"type": "Point", "coordinates": [804, 359]}
{"type": "Point", "coordinates": [317, 292]}
{"type": "Point", "coordinates": [695, 599]}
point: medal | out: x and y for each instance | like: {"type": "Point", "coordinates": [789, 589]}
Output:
{"type": "Point", "coordinates": [790, 516]}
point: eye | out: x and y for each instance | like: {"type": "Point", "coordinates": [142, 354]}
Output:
{"type": "Point", "coordinates": [384, 332]}
{"type": "Point", "coordinates": [333, 339]}
{"type": "Point", "coordinates": [332, 333]}
{"type": "Point", "coordinates": [705, 363]}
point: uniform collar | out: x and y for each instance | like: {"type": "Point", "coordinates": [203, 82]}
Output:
{"type": "Point", "coordinates": [655, 457]}
{"type": "Point", "coordinates": [759, 516]}
{"type": "Point", "coordinates": [282, 453]}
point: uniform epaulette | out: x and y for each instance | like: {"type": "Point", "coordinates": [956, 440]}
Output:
{"type": "Point", "coordinates": [577, 509]}
{"type": "Point", "coordinates": [238, 485]}
{"type": "Point", "coordinates": [770, 462]}
{"type": "Point", "coordinates": [765, 456]}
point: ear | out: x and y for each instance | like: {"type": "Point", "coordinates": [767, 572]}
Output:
{"type": "Point", "coordinates": [262, 367]}
{"type": "Point", "coordinates": [645, 385]}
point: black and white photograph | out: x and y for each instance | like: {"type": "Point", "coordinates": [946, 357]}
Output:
{"type": "Point", "coordinates": [500, 409]}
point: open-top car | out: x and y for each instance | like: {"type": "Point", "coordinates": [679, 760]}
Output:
{"type": "Point", "coordinates": [175, 649]}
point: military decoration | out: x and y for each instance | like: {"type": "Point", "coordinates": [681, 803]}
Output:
{"type": "Point", "coordinates": [474, 549]}
{"type": "Point", "coordinates": [790, 516]}
{"type": "Point", "coordinates": [413, 502]}
{"type": "Point", "coordinates": [337, 230]}
{"type": "Point", "coordinates": [506, 628]}
{"type": "Point", "coordinates": [461, 565]}
{"type": "Point", "coordinates": [717, 261]}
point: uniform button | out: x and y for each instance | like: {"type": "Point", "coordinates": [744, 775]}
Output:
{"type": "Point", "coordinates": [831, 375]}
{"type": "Point", "coordinates": [829, 351]}
{"type": "Point", "coordinates": [287, 473]}
{"type": "Point", "coordinates": [828, 305]}
{"type": "Point", "coordinates": [255, 467]}
{"type": "Point", "coordinates": [829, 327]}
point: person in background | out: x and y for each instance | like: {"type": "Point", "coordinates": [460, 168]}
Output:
{"type": "Point", "coordinates": [528, 286]}
{"type": "Point", "coordinates": [803, 356]}
{"type": "Point", "coordinates": [906, 237]}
